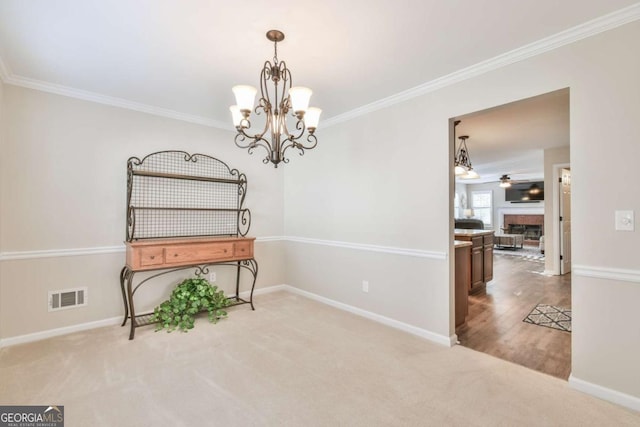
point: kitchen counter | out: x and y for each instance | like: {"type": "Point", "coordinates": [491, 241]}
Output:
{"type": "Point", "coordinates": [470, 233]}
{"type": "Point", "coordinates": [461, 243]}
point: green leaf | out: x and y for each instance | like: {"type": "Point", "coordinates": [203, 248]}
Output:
{"type": "Point", "coordinates": [187, 299]}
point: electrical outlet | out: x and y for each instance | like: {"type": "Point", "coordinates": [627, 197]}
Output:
{"type": "Point", "coordinates": [212, 277]}
{"type": "Point", "coordinates": [624, 221]}
{"type": "Point", "coordinates": [365, 286]}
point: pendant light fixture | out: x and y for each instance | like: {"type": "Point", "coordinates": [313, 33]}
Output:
{"type": "Point", "coordinates": [505, 181]}
{"type": "Point", "coordinates": [277, 98]}
{"type": "Point", "coordinates": [463, 166]}
{"type": "Point", "coordinates": [462, 161]}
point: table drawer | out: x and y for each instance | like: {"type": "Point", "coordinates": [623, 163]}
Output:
{"type": "Point", "coordinates": [198, 253]}
{"type": "Point", "coordinates": [243, 249]}
{"type": "Point", "coordinates": [488, 240]}
{"type": "Point", "coordinates": [151, 256]}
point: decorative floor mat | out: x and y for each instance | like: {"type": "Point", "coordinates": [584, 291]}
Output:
{"type": "Point", "coordinates": [528, 252]}
{"type": "Point", "coordinates": [550, 316]}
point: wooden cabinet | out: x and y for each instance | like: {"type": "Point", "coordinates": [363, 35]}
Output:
{"type": "Point", "coordinates": [487, 259]}
{"type": "Point", "coordinates": [477, 256]}
{"type": "Point", "coordinates": [481, 256]}
{"type": "Point", "coordinates": [463, 281]}
{"type": "Point", "coordinates": [154, 254]}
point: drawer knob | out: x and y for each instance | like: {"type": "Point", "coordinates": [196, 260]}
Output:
{"type": "Point", "coordinates": [225, 251]}
{"type": "Point", "coordinates": [152, 257]}
{"type": "Point", "coordinates": [175, 255]}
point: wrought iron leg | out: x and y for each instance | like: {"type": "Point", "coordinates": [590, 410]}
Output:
{"type": "Point", "coordinates": [253, 285]}
{"type": "Point", "coordinates": [238, 282]}
{"type": "Point", "coordinates": [131, 305]}
{"type": "Point", "coordinates": [123, 275]}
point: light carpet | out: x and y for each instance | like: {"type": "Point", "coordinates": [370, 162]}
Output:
{"type": "Point", "coordinates": [292, 362]}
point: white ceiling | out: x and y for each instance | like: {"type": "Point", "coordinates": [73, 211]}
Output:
{"type": "Point", "coordinates": [182, 57]}
{"type": "Point", "coordinates": [511, 139]}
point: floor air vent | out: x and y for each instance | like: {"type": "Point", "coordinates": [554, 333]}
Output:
{"type": "Point", "coordinates": [67, 298]}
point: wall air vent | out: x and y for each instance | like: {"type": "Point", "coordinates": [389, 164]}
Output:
{"type": "Point", "coordinates": [67, 298]}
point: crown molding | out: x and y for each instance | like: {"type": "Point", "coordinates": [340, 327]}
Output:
{"type": "Point", "coordinates": [574, 34]}
{"type": "Point", "coordinates": [107, 100]}
{"type": "Point", "coordinates": [579, 32]}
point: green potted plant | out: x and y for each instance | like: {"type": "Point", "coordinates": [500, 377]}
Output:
{"type": "Point", "coordinates": [189, 298]}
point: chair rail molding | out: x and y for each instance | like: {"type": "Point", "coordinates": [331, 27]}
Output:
{"type": "Point", "coordinates": [619, 274]}
{"type": "Point", "coordinates": [99, 250]}
{"type": "Point", "coordinates": [369, 247]}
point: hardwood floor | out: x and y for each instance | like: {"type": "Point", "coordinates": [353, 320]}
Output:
{"type": "Point", "coordinates": [494, 324]}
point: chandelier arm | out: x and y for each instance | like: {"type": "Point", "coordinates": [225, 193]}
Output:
{"type": "Point", "coordinates": [246, 124]}
{"type": "Point", "coordinates": [301, 127]}
{"type": "Point", "coordinates": [265, 76]}
{"type": "Point", "coordinates": [311, 138]}
{"type": "Point", "coordinates": [285, 76]}
{"type": "Point", "coordinates": [254, 141]}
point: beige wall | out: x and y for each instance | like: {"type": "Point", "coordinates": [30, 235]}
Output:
{"type": "Point", "coordinates": [500, 203]}
{"type": "Point", "coordinates": [385, 179]}
{"type": "Point", "coordinates": [2, 129]}
{"type": "Point", "coordinates": [552, 156]}
{"type": "Point", "coordinates": [63, 184]}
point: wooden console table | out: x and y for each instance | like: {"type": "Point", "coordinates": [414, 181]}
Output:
{"type": "Point", "coordinates": [184, 211]}
{"type": "Point", "coordinates": [171, 255]}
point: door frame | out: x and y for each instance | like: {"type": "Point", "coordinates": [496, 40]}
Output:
{"type": "Point", "coordinates": [555, 197]}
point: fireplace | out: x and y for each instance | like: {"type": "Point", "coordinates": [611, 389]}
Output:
{"type": "Point", "coordinates": [531, 226]}
{"type": "Point", "coordinates": [530, 232]}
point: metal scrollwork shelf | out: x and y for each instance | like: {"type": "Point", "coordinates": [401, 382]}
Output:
{"type": "Point", "coordinates": [183, 212]}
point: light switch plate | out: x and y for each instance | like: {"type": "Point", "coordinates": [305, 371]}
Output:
{"type": "Point", "coordinates": [624, 221]}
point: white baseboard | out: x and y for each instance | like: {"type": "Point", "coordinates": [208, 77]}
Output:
{"type": "Point", "coordinates": [37, 336]}
{"type": "Point", "coordinates": [622, 399]}
{"type": "Point", "coordinates": [423, 333]}
{"type": "Point", "coordinates": [266, 290]}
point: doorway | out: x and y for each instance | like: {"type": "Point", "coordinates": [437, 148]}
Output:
{"type": "Point", "coordinates": [564, 205]}
{"type": "Point", "coordinates": [508, 140]}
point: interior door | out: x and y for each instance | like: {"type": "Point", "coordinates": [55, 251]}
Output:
{"type": "Point", "coordinates": [565, 221]}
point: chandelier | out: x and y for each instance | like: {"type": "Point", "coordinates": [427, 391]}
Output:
{"type": "Point", "coordinates": [277, 99]}
{"type": "Point", "coordinates": [505, 181]}
{"type": "Point", "coordinates": [462, 161]}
